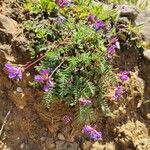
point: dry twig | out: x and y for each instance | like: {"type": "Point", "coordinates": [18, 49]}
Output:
{"type": "Point", "coordinates": [5, 121]}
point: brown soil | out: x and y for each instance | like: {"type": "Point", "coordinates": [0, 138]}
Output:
{"type": "Point", "coordinates": [30, 126]}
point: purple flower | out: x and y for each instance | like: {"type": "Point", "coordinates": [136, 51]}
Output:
{"type": "Point", "coordinates": [84, 101]}
{"type": "Point", "coordinates": [44, 79]}
{"type": "Point", "coordinates": [118, 92]}
{"type": "Point", "coordinates": [91, 18]}
{"type": "Point", "coordinates": [49, 83]}
{"type": "Point", "coordinates": [111, 49]}
{"type": "Point", "coordinates": [66, 119]}
{"type": "Point", "coordinates": [98, 25]}
{"type": "Point", "coordinates": [113, 39]}
{"type": "Point", "coordinates": [124, 75]}
{"type": "Point", "coordinates": [92, 133]}
{"type": "Point", "coordinates": [14, 72]}
{"type": "Point", "coordinates": [61, 3]}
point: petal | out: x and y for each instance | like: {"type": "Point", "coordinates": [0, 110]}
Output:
{"type": "Point", "coordinates": [38, 78]}
{"type": "Point", "coordinates": [87, 129]}
{"type": "Point", "coordinates": [8, 67]}
{"type": "Point", "coordinates": [12, 75]}
{"type": "Point", "coordinates": [44, 72]}
{"type": "Point", "coordinates": [46, 88]}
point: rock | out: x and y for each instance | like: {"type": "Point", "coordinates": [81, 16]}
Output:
{"type": "Point", "coordinates": [19, 90]}
{"type": "Point", "coordinates": [19, 43]}
{"type": "Point", "coordinates": [143, 19]}
{"type": "Point", "coordinates": [146, 54]}
{"type": "Point", "coordinates": [5, 37]}
{"type": "Point", "coordinates": [142, 144]}
{"type": "Point", "coordinates": [130, 12]}
{"type": "Point", "coordinates": [22, 146]}
{"type": "Point", "coordinates": [145, 34]}
{"type": "Point", "coordinates": [43, 138]}
{"type": "Point", "coordinates": [52, 145]}
{"type": "Point", "coordinates": [61, 137]}
{"type": "Point", "coordinates": [20, 50]}
{"type": "Point", "coordinates": [5, 51]}
{"type": "Point", "coordinates": [8, 24]}
{"type": "Point", "coordinates": [133, 132]}
{"type": "Point", "coordinates": [8, 29]}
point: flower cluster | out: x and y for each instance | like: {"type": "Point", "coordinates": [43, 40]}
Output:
{"type": "Point", "coordinates": [14, 72]}
{"type": "Point", "coordinates": [124, 75]}
{"type": "Point", "coordinates": [97, 23]}
{"type": "Point", "coordinates": [92, 133]}
{"type": "Point", "coordinates": [64, 3]}
{"type": "Point", "coordinates": [118, 92]}
{"type": "Point", "coordinates": [111, 49]}
{"type": "Point", "coordinates": [44, 79]}
{"type": "Point", "coordinates": [84, 102]}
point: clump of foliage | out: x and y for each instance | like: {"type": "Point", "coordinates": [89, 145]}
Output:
{"type": "Point", "coordinates": [82, 52]}
{"type": "Point", "coordinates": [75, 48]}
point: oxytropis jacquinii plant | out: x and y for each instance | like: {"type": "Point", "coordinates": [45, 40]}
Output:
{"type": "Point", "coordinates": [77, 45]}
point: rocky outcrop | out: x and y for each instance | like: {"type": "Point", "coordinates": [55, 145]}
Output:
{"type": "Point", "coordinates": [138, 19]}
{"type": "Point", "coordinates": [133, 134]}
{"type": "Point", "coordinates": [143, 19]}
{"type": "Point", "coordinates": [12, 41]}
{"type": "Point", "coordinates": [131, 12]}
{"type": "Point", "coordinates": [8, 29]}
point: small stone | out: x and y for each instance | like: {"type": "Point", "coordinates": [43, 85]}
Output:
{"type": "Point", "coordinates": [148, 115]}
{"type": "Point", "coordinates": [61, 137]}
{"type": "Point", "coordinates": [146, 54]}
{"type": "Point", "coordinates": [19, 90]}
{"type": "Point", "coordinates": [43, 138]}
{"type": "Point", "coordinates": [22, 145]}
{"type": "Point", "coordinates": [1, 145]}
{"type": "Point", "coordinates": [52, 145]}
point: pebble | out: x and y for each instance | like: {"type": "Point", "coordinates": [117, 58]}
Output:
{"type": "Point", "coordinates": [19, 90]}
{"type": "Point", "coordinates": [22, 145]}
{"type": "Point", "coordinates": [146, 54]}
{"type": "Point", "coordinates": [52, 145]}
{"type": "Point", "coordinates": [43, 138]}
{"type": "Point", "coordinates": [61, 137]}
